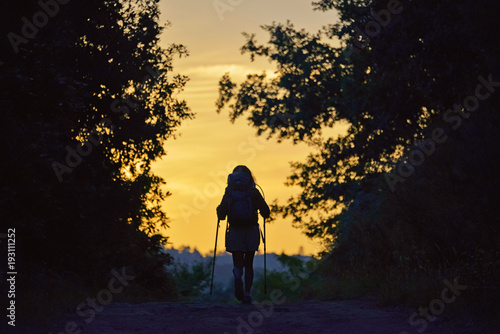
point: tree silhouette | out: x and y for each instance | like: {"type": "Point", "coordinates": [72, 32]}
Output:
{"type": "Point", "coordinates": [407, 192]}
{"type": "Point", "coordinates": [382, 70]}
{"type": "Point", "coordinates": [87, 104]}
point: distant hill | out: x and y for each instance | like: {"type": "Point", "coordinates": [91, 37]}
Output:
{"type": "Point", "coordinates": [224, 262]}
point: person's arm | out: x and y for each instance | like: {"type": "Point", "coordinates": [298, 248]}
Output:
{"type": "Point", "coordinates": [223, 207]}
{"type": "Point", "coordinates": [262, 205]}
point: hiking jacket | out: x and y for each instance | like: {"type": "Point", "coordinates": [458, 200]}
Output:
{"type": "Point", "coordinates": [258, 203]}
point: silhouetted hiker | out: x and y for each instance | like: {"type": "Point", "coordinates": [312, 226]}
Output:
{"type": "Point", "coordinates": [239, 204]}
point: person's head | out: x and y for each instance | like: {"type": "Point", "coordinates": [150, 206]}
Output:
{"type": "Point", "coordinates": [244, 169]}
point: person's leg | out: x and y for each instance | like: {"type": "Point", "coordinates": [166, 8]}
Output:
{"type": "Point", "coordinates": [248, 261]}
{"type": "Point", "coordinates": [238, 264]}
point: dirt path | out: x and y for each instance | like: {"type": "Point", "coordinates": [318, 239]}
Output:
{"type": "Point", "coordinates": [339, 317]}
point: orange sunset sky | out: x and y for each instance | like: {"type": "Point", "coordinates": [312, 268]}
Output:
{"type": "Point", "coordinates": [209, 146]}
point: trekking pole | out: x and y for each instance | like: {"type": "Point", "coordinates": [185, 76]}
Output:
{"type": "Point", "coordinates": [264, 239]}
{"type": "Point", "coordinates": [265, 271]}
{"type": "Point", "coordinates": [215, 253]}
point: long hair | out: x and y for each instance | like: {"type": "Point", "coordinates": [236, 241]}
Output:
{"type": "Point", "coordinates": [244, 169]}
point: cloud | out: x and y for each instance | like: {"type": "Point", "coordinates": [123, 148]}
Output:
{"type": "Point", "coordinates": [238, 71]}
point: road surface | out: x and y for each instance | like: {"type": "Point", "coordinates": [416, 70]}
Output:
{"type": "Point", "coordinates": [338, 317]}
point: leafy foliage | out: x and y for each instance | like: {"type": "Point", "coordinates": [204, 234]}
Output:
{"type": "Point", "coordinates": [192, 280]}
{"type": "Point", "coordinates": [387, 92]}
{"type": "Point", "coordinates": [392, 71]}
{"type": "Point", "coordinates": [87, 104]}
{"type": "Point", "coordinates": [299, 281]}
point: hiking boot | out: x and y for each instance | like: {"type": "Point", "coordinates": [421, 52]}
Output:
{"type": "Point", "coordinates": [238, 289]}
{"type": "Point", "coordinates": [247, 299]}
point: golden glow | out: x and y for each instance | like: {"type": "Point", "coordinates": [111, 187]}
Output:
{"type": "Point", "coordinates": [209, 147]}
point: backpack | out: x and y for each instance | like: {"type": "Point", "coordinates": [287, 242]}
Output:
{"type": "Point", "coordinates": [241, 211]}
